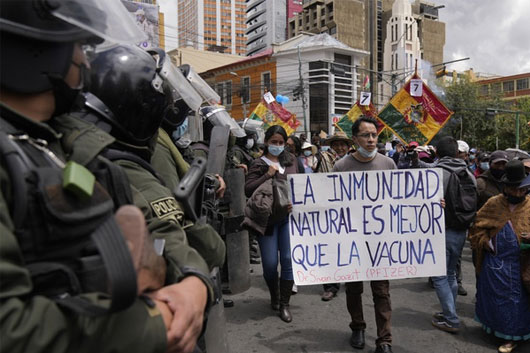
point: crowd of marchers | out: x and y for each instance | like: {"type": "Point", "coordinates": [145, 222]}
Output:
{"type": "Point", "coordinates": [100, 252]}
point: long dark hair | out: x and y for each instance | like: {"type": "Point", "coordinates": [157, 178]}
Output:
{"type": "Point", "coordinates": [297, 145]}
{"type": "Point", "coordinates": [285, 158]}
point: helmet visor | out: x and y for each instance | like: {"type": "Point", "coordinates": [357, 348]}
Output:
{"type": "Point", "coordinates": [106, 19]}
{"type": "Point", "coordinates": [204, 89]}
{"type": "Point", "coordinates": [180, 87]}
{"type": "Point", "coordinates": [218, 116]}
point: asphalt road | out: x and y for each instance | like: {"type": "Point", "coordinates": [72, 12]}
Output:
{"type": "Point", "coordinates": [318, 326]}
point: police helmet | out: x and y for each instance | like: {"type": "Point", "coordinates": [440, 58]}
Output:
{"type": "Point", "coordinates": [218, 116]}
{"type": "Point", "coordinates": [130, 82]}
{"type": "Point", "coordinates": [38, 37]}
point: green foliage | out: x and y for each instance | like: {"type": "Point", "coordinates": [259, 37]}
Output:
{"type": "Point", "coordinates": [471, 123]}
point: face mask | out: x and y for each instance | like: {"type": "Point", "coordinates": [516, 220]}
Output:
{"type": "Point", "coordinates": [484, 166]}
{"type": "Point", "coordinates": [180, 130]}
{"type": "Point", "coordinates": [497, 173]}
{"type": "Point", "coordinates": [307, 153]}
{"type": "Point", "coordinates": [275, 150]}
{"type": "Point", "coordinates": [471, 157]}
{"type": "Point", "coordinates": [365, 153]}
{"type": "Point", "coordinates": [65, 97]}
{"type": "Point", "coordinates": [324, 148]}
{"type": "Point", "coordinates": [249, 144]}
{"type": "Point", "coordinates": [514, 200]}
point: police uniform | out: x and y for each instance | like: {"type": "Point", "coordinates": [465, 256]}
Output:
{"type": "Point", "coordinates": [35, 323]}
{"type": "Point", "coordinates": [169, 164]}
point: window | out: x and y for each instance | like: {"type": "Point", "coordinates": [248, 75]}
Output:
{"type": "Point", "coordinates": [228, 90]}
{"type": "Point", "coordinates": [245, 90]}
{"type": "Point", "coordinates": [507, 86]}
{"type": "Point", "coordinates": [496, 87]}
{"type": "Point", "coordinates": [220, 92]}
{"type": "Point", "coordinates": [265, 82]}
{"type": "Point", "coordinates": [484, 90]}
{"type": "Point", "coordinates": [522, 84]}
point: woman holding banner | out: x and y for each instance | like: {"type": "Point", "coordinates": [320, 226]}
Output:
{"type": "Point", "coordinates": [266, 184]}
{"type": "Point", "coordinates": [501, 238]}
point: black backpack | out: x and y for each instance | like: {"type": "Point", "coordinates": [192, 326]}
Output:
{"type": "Point", "coordinates": [461, 199]}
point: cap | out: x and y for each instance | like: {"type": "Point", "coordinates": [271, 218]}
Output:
{"type": "Point", "coordinates": [498, 156]}
{"type": "Point", "coordinates": [463, 147]}
{"type": "Point", "coordinates": [413, 144]}
{"type": "Point", "coordinates": [473, 150]}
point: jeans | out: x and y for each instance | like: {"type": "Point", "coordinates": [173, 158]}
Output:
{"type": "Point", "coordinates": [446, 286]}
{"type": "Point", "coordinates": [382, 307]}
{"type": "Point", "coordinates": [272, 243]}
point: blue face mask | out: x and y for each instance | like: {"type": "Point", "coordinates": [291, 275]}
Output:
{"type": "Point", "coordinates": [484, 166]}
{"type": "Point", "coordinates": [307, 153]}
{"type": "Point", "coordinates": [275, 150]}
{"type": "Point", "coordinates": [324, 148]}
{"type": "Point", "coordinates": [180, 130]}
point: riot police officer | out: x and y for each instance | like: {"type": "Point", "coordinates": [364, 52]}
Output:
{"type": "Point", "coordinates": [56, 219]}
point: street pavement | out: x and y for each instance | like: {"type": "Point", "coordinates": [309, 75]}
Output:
{"type": "Point", "coordinates": [318, 326]}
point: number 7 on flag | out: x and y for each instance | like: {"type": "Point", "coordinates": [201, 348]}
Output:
{"type": "Point", "coordinates": [416, 87]}
{"type": "Point", "coordinates": [365, 98]}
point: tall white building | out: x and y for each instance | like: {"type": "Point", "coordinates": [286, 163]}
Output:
{"type": "Point", "coordinates": [401, 49]}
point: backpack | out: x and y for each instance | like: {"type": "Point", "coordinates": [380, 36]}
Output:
{"type": "Point", "coordinates": [461, 199]}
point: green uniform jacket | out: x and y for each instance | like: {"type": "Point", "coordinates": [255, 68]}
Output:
{"type": "Point", "coordinates": [170, 165]}
{"type": "Point", "coordinates": [30, 323]}
{"type": "Point", "coordinates": [157, 203]}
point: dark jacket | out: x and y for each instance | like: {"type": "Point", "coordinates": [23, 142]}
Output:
{"type": "Point", "coordinates": [487, 186]}
{"type": "Point", "coordinates": [453, 164]}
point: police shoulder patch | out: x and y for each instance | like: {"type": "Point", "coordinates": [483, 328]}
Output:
{"type": "Point", "coordinates": [166, 207]}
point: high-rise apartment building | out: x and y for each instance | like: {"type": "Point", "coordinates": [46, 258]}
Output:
{"type": "Point", "coordinates": [217, 25]}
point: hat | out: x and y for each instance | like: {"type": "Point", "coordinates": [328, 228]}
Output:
{"type": "Point", "coordinates": [306, 145]}
{"type": "Point", "coordinates": [339, 136]}
{"type": "Point", "coordinates": [463, 147]}
{"type": "Point", "coordinates": [413, 144]}
{"type": "Point", "coordinates": [473, 150]}
{"type": "Point", "coordinates": [525, 182]}
{"type": "Point", "coordinates": [498, 156]}
{"type": "Point", "coordinates": [514, 173]}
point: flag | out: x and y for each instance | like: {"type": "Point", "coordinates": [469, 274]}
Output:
{"type": "Point", "coordinates": [345, 123]}
{"type": "Point", "coordinates": [415, 118]}
{"type": "Point", "coordinates": [366, 83]}
{"type": "Point", "coordinates": [274, 114]}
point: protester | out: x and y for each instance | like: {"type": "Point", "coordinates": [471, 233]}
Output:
{"type": "Point", "coordinates": [501, 238]}
{"type": "Point", "coordinates": [463, 151]}
{"type": "Point", "coordinates": [482, 164]}
{"type": "Point", "coordinates": [409, 158]}
{"type": "Point", "coordinates": [308, 158]}
{"type": "Point", "coordinates": [489, 183]}
{"type": "Point", "coordinates": [364, 135]}
{"type": "Point", "coordinates": [294, 146]}
{"type": "Point", "coordinates": [455, 230]}
{"type": "Point", "coordinates": [276, 163]}
{"type": "Point", "coordinates": [340, 144]}
{"type": "Point", "coordinates": [473, 160]}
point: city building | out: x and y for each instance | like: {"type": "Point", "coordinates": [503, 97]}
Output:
{"type": "Point", "coordinates": [317, 72]}
{"type": "Point", "coordinates": [363, 25]}
{"type": "Point", "coordinates": [511, 88]}
{"type": "Point", "coordinates": [214, 25]}
{"type": "Point", "coordinates": [201, 60]}
{"type": "Point", "coordinates": [267, 22]}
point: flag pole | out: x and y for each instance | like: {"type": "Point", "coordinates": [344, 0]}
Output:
{"type": "Point", "coordinates": [416, 68]}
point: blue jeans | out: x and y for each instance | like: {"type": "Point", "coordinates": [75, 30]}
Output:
{"type": "Point", "coordinates": [272, 243]}
{"type": "Point", "coordinates": [446, 286]}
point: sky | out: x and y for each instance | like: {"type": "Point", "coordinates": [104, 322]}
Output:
{"type": "Point", "coordinates": [494, 34]}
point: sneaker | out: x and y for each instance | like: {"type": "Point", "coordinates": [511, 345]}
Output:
{"type": "Point", "coordinates": [446, 326]}
{"type": "Point", "coordinates": [328, 295]}
{"type": "Point", "coordinates": [462, 291]}
{"type": "Point", "coordinates": [294, 290]}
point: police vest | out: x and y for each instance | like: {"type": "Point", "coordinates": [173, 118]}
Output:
{"type": "Point", "coordinates": [71, 245]}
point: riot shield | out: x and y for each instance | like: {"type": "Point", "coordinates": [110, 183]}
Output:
{"type": "Point", "coordinates": [236, 239]}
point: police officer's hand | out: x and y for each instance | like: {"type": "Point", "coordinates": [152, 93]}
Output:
{"type": "Point", "coordinates": [220, 192]}
{"type": "Point", "coordinates": [244, 167]}
{"type": "Point", "coordinates": [187, 301]}
{"type": "Point", "coordinates": [272, 170]}
{"type": "Point", "coordinates": [167, 316]}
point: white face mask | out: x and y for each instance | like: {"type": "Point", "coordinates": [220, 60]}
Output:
{"type": "Point", "coordinates": [365, 153]}
{"type": "Point", "coordinates": [249, 144]}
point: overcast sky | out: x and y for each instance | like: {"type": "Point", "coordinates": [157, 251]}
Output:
{"type": "Point", "coordinates": [494, 34]}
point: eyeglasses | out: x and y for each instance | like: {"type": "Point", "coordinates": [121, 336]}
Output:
{"type": "Point", "coordinates": [368, 135]}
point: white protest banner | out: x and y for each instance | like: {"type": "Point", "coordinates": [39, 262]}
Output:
{"type": "Point", "coordinates": [371, 225]}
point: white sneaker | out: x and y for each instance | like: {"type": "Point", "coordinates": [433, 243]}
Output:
{"type": "Point", "coordinates": [295, 289]}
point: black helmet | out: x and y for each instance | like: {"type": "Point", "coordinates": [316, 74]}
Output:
{"type": "Point", "coordinates": [126, 79]}
{"type": "Point", "coordinates": [38, 37]}
{"type": "Point", "coordinates": [218, 116]}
